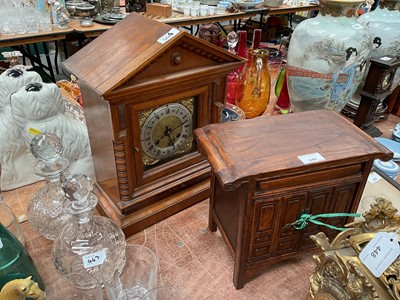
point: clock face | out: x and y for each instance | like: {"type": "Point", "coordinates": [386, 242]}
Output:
{"type": "Point", "coordinates": [166, 131]}
{"type": "Point", "coordinates": [386, 80]}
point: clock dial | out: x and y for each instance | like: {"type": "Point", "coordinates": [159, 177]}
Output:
{"type": "Point", "coordinates": [386, 80]}
{"type": "Point", "coordinates": [166, 132]}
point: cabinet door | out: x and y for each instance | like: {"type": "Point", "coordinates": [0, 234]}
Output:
{"type": "Point", "coordinates": [271, 232]}
{"type": "Point", "coordinates": [269, 235]}
{"type": "Point", "coordinates": [264, 223]}
{"type": "Point", "coordinates": [327, 200]}
{"type": "Point", "coordinates": [287, 237]}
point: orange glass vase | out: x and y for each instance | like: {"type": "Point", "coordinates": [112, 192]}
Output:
{"type": "Point", "coordinates": [253, 89]}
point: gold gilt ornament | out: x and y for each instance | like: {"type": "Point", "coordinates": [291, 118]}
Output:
{"type": "Point", "coordinates": [340, 274]}
{"type": "Point", "coordinates": [18, 289]}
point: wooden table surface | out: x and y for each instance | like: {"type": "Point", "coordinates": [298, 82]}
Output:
{"type": "Point", "coordinates": [177, 19]}
{"type": "Point", "coordinates": [31, 38]}
{"type": "Point", "coordinates": [286, 9]}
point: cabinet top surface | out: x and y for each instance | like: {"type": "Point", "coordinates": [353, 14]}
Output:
{"type": "Point", "coordinates": [269, 144]}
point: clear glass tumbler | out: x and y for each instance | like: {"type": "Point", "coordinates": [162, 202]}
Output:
{"type": "Point", "coordinates": [65, 289]}
{"type": "Point", "coordinates": [44, 20]}
{"type": "Point", "coordinates": [166, 293]}
{"type": "Point", "coordinates": [138, 276]}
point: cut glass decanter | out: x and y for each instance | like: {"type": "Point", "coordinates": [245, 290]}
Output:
{"type": "Point", "coordinates": [87, 242]}
{"type": "Point", "coordinates": [45, 210]}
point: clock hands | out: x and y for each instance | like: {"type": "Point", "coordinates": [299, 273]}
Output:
{"type": "Point", "coordinates": [178, 126]}
{"type": "Point", "coordinates": [167, 133]}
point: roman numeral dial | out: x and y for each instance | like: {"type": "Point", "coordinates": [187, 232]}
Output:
{"type": "Point", "coordinates": [166, 131]}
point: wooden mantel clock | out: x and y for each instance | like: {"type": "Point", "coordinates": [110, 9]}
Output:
{"type": "Point", "coordinates": [381, 80]}
{"type": "Point", "coordinates": [145, 87]}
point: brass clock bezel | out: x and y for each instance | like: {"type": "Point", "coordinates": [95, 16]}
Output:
{"type": "Point", "coordinates": [387, 80]}
{"type": "Point", "coordinates": [148, 160]}
{"type": "Point", "coordinates": [147, 156]}
{"type": "Point", "coordinates": [176, 165]}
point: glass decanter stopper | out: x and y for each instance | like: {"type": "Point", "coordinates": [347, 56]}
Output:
{"type": "Point", "coordinates": [9, 220]}
{"type": "Point", "coordinates": [45, 210]}
{"type": "Point", "coordinates": [88, 243]}
{"type": "Point", "coordinates": [232, 39]}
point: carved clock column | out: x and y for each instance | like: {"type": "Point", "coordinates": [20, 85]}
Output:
{"type": "Point", "coordinates": [146, 86]}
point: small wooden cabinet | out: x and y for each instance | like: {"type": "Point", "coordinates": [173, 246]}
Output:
{"type": "Point", "coordinates": [259, 184]}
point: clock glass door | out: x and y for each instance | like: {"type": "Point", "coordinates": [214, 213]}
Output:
{"type": "Point", "coordinates": [166, 131]}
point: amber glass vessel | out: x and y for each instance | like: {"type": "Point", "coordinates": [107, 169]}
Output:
{"type": "Point", "coordinates": [253, 90]}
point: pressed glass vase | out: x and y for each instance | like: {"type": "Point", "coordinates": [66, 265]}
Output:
{"type": "Point", "coordinates": [254, 84]}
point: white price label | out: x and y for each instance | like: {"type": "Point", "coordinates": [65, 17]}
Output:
{"type": "Point", "coordinates": [1, 244]}
{"type": "Point", "coordinates": [166, 37]}
{"type": "Point", "coordinates": [380, 252]}
{"type": "Point", "coordinates": [94, 259]}
{"type": "Point", "coordinates": [311, 158]}
{"type": "Point", "coordinates": [374, 177]}
{"type": "Point", "coordinates": [357, 26]}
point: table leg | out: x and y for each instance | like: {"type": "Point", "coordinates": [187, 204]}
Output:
{"type": "Point", "coordinates": [197, 30]}
{"type": "Point", "coordinates": [49, 65]}
{"type": "Point", "coordinates": [222, 28]}
{"type": "Point", "coordinates": [35, 58]}
{"type": "Point", "coordinates": [290, 18]}
{"type": "Point", "coordinates": [56, 57]}
{"type": "Point", "coordinates": [28, 53]}
{"type": "Point", "coordinates": [65, 48]}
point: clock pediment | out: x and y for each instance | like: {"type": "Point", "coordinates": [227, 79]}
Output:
{"type": "Point", "coordinates": [139, 48]}
{"type": "Point", "coordinates": [181, 56]}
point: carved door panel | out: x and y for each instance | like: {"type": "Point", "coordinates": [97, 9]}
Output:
{"type": "Point", "coordinates": [327, 200]}
{"type": "Point", "coordinates": [318, 202]}
{"type": "Point", "coordinates": [342, 198]}
{"type": "Point", "coordinates": [287, 238]}
{"type": "Point", "coordinates": [264, 224]}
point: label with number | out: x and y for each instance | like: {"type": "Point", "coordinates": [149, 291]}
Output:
{"type": "Point", "coordinates": [166, 37]}
{"type": "Point", "coordinates": [374, 177]}
{"type": "Point", "coordinates": [380, 252]}
{"type": "Point", "coordinates": [311, 158]}
{"type": "Point", "coordinates": [386, 58]}
{"type": "Point", "coordinates": [1, 244]}
{"type": "Point", "coordinates": [94, 259]}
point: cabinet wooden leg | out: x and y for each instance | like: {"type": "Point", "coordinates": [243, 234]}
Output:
{"type": "Point", "coordinates": [212, 226]}
{"type": "Point", "coordinates": [238, 279]}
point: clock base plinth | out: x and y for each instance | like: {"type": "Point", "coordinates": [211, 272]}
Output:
{"type": "Point", "coordinates": [372, 131]}
{"type": "Point", "coordinates": [134, 222]}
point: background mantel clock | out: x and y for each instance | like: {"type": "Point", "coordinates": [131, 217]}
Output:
{"type": "Point", "coordinates": [145, 87]}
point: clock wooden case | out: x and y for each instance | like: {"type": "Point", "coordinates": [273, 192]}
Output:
{"type": "Point", "coordinates": [145, 87]}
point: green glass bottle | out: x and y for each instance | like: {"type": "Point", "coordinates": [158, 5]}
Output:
{"type": "Point", "coordinates": [15, 262]}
